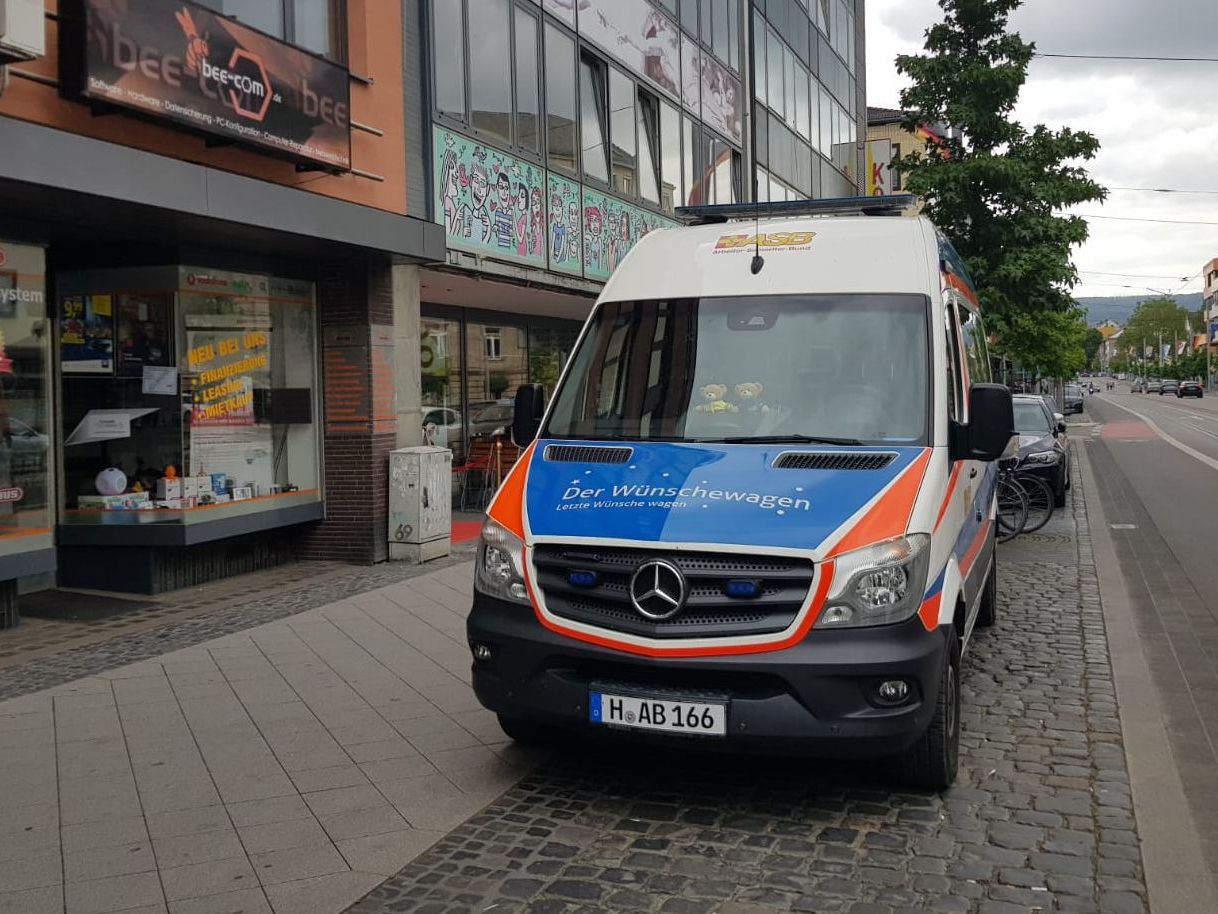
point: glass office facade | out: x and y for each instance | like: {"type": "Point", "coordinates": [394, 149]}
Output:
{"type": "Point", "coordinates": [806, 98]}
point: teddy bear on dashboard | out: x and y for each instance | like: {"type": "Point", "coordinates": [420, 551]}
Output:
{"type": "Point", "coordinates": [713, 400]}
{"type": "Point", "coordinates": [749, 395]}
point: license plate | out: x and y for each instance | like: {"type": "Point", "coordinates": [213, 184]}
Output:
{"type": "Point", "coordinates": [665, 715]}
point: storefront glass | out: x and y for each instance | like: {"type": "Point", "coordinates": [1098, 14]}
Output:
{"type": "Point", "coordinates": [25, 427]}
{"type": "Point", "coordinates": [469, 387]}
{"type": "Point", "coordinates": [189, 395]}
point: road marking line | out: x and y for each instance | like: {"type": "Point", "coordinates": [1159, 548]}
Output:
{"type": "Point", "coordinates": [1198, 428]}
{"type": "Point", "coordinates": [1178, 445]}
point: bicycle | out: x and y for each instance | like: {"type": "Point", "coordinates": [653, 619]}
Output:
{"type": "Point", "coordinates": [1012, 513]}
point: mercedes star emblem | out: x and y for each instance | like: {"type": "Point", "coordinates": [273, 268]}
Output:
{"type": "Point", "coordinates": [658, 590]}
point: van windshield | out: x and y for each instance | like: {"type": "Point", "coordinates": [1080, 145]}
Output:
{"type": "Point", "coordinates": [834, 368]}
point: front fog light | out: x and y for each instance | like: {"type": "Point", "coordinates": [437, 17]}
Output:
{"type": "Point", "coordinates": [893, 691]}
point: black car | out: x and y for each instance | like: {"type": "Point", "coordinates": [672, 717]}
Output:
{"type": "Point", "coordinates": [1042, 445]}
{"type": "Point", "coordinates": [1073, 401]}
{"type": "Point", "coordinates": [1169, 386]}
{"type": "Point", "coordinates": [1190, 389]}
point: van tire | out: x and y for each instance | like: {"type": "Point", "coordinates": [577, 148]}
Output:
{"type": "Point", "coordinates": [933, 761]}
{"type": "Point", "coordinates": [987, 609]}
{"type": "Point", "coordinates": [526, 732]}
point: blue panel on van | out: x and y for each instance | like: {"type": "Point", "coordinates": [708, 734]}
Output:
{"type": "Point", "coordinates": [701, 493]}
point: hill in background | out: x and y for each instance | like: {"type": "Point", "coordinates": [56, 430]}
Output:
{"type": "Point", "coordinates": [1119, 307]}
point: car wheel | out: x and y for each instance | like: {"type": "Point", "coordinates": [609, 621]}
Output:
{"type": "Point", "coordinates": [933, 761]}
{"type": "Point", "coordinates": [987, 610]}
{"type": "Point", "coordinates": [527, 732]}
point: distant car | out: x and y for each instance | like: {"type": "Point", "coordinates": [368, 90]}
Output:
{"type": "Point", "coordinates": [1169, 386]}
{"type": "Point", "coordinates": [1073, 399]}
{"type": "Point", "coordinates": [492, 420]}
{"type": "Point", "coordinates": [1190, 389]}
{"type": "Point", "coordinates": [1043, 447]}
{"type": "Point", "coordinates": [445, 425]}
{"type": "Point", "coordinates": [1153, 386]}
{"type": "Point", "coordinates": [1120, 376]}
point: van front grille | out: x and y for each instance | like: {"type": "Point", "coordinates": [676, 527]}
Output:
{"type": "Point", "coordinates": [781, 588]}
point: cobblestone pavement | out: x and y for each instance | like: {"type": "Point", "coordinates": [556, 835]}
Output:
{"type": "Point", "coordinates": [210, 611]}
{"type": "Point", "coordinates": [1041, 819]}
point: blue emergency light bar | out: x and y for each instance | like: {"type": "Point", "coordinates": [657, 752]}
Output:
{"type": "Point", "coordinates": [890, 205]}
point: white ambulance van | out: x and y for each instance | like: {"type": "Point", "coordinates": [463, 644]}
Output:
{"type": "Point", "coordinates": [759, 509]}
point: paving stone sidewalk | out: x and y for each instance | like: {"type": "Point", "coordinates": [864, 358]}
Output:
{"type": "Point", "coordinates": [1041, 819]}
{"type": "Point", "coordinates": [287, 767]}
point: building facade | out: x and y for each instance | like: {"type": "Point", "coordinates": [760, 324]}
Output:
{"type": "Point", "coordinates": [557, 132]}
{"type": "Point", "coordinates": [888, 140]}
{"type": "Point", "coordinates": [1209, 294]}
{"type": "Point", "coordinates": [250, 246]}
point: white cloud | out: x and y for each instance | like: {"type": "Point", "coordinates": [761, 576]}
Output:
{"type": "Point", "coordinates": [1152, 119]}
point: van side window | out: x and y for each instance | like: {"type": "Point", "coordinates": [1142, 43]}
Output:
{"type": "Point", "coordinates": [951, 358]}
{"type": "Point", "coordinates": [975, 350]}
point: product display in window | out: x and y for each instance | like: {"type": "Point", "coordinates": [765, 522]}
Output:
{"type": "Point", "coordinates": [26, 457]}
{"type": "Point", "coordinates": [211, 410]}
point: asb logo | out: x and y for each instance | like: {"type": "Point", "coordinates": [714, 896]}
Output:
{"type": "Point", "coordinates": [790, 241]}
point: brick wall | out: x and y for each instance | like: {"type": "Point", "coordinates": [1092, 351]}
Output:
{"type": "Point", "coordinates": [355, 312]}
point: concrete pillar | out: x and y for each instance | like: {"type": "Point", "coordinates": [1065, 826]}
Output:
{"type": "Point", "coordinates": [407, 377]}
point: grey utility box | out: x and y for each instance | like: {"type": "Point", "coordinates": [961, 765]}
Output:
{"type": "Point", "coordinates": [420, 503]}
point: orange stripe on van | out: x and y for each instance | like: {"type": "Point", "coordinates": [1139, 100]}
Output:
{"type": "Point", "coordinates": [955, 282]}
{"type": "Point", "coordinates": [888, 517]}
{"type": "Point", "coordinates": [818, 603]}
{"type": "Point", "coordinates": [951, 488]}
{"type": "Point", "coordinates": [508, 507]}
{"type": "Point", "coordinates": [928, 612]}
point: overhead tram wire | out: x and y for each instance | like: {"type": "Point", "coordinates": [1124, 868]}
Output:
{"type": "Point", "coordinates": [1128, 57]}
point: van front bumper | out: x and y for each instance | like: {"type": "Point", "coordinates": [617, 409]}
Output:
{"type": "Point", "coordinates": [817, 697]}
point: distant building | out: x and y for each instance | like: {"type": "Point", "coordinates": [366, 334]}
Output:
{"type": "Point", "coordinates": [1210, 296]}
{"type": "Point", "coordinates": [1111, 347]}
{"type": "Point", "coordinates": [1108, 328]}
{"type": "Point", "coordinates": [888, 140]}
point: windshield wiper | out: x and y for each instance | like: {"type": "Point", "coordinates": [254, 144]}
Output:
{"type": "Point", "coordinates": [785, 439]}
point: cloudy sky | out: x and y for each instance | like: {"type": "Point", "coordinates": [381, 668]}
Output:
{"type": "Point", "coordinates": [1156, 122]}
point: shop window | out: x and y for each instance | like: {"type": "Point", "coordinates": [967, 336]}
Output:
{"type": "Point", "coordinates": [448, 30]}
{"type": "Point", "coordinates": [621, 132]}
{"type": "Point", "coordinates": [492, 343]}
{"type": "Point", "coordinates": [317, 25]}
{"type": "Point", "coordinates": [560, 99]}
{"type": "Point", "coordinates": [593, 100]}
{"type": "Point", "coordinates": [527, 107]}
{"type": "Point", "coordinates": [649, 146]}
{"type": "Point", "coordinates": [26, 455]}
{"type": "Point", "coordinates": [670, 157]}
{"type": "Point", "coordinates": [490, 73]}
{"type": "Point", "coordinates": [188, 395]}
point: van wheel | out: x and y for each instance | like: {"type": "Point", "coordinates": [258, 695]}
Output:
{"type": "Point", "coordinates": [933, 761]}
{"type": "Point", "coordinates": [526, 732]}
{"type": "Point", "coordinates": [987, 611]}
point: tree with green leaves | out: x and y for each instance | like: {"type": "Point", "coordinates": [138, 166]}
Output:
{"type": "Point", "coordinates": [1156, 321]}
{"type": "Point", "coordinates": [995, 187]}
{"type": "Point", "coordinates": [1091, 346]}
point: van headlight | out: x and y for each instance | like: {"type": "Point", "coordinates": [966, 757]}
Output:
{"type": "Point", "coordinates": [879, 584]}
{"type": "Point", "coordinates": [499, 570]}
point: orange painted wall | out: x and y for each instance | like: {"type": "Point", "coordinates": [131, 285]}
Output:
{"type": "Point", "coordinates": [374, 49]}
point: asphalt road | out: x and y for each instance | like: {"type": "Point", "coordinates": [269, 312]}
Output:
{"type": "Point", "coordinates": [1156, 466]}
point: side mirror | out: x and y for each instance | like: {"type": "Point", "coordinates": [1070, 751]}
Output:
{"type": "Point", "coordinates": [526, 417]}
{"type": "Point", "coordinates": [1061, 428]}
{"type": "Point", "coordinates": [991, 424]}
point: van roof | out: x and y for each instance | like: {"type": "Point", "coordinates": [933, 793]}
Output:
{"type": "Point", "coordinates": [802, 254]}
